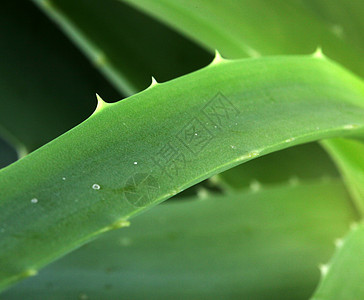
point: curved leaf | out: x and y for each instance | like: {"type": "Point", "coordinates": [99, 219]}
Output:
{"type": "Point", "coordinates": [343, 277]}
{"type": "Point", "coordinates": [260, 27]}
{"type": "Point", "coordinates": [123, 158]}
{"type": "Point", "coordinates": [349, 156]}
{"type": "Point", "coordinates": [125, 59]}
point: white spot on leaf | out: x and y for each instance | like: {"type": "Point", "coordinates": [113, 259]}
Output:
{"type": "Point", "coordinates": [289, 140]}
{"type": "Point", "coordinates": [351, 126]}
{"type": "Point", "coordinates": [95, 186]}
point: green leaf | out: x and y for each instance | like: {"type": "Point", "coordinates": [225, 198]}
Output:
{"type": "Point", "coordinates": [94, 177]}
{"type": "Point", "coordinates": [125, 45]}
{"type": "Point", "coordinates": [169, 55]}
{"type": "Point", "coordinates": [263, 245]}
{"type": "Point", "coordinates": [46, 86]}
{"type": "Point", "coordinates": [260, 27]}
{"type": "Point", "coordinates": [349, 156]}
{"type": "Point", "coordinates": [343, 277]}
{"type": "Point", "coordinates": [254, 28]}
{"type": "Point", "coordinates": [289, 165]}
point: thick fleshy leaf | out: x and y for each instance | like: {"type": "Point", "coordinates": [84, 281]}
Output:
{"type": "Point", "coordinates": [260, 27]}
{"type": "Point", "coordinates": [133, 154]}
{"type": "Point", "coordinates": [343, 276]}
{"type": "Point", "coordinates": [122, 55]}
{"type": "Point", "coordinates": [349, 156]}
{"type": "Point", "coordinates": [261, 245]}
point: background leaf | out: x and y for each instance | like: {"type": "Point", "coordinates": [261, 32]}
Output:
{"type": "Point", "coordinates": [343, 276]}
{"type": "Point", "coordinates": [47, 86]}
{"type": "Point", "coordinates": [260, 245]}
{"type": "Point", "coordinates": [259, 27]}
{"type": "Point", "coordinates": [125, 45]}
{"type": "Point", "coordinates": [7, 153]}
{"type": "Point", "coordinates": [349, 156]}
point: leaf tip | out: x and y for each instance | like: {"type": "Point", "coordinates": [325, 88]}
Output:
{"type": "Point", "coordinates": [100, 104]}
{"type": "Point", "coordinates": [318, 53]}
{"type": "Point", "coordinates": [218, 58]}
{"type": "Point", "coordinates": [154, 83]}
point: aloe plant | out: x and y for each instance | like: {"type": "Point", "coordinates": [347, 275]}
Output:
{"type": "Point", "coordinates": [231, 138]}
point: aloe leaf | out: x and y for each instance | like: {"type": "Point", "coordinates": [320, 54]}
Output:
{"type": "Point", "coordinates": [168, 56]}
{"type": "Point", "coordinates": [255, 28]}
{"type": "Point", "coordinates": [343, 18]}
{"type": "Point", "coordinates": [125, 45]}
{"type": "Point", "coordinates": [46, 85]}
{"type": "Point", "coordinates": [349, 156]}
{"type": "Point", "coordinates": [99, 174]}
{"type": "Point", "coordinates": [263, 245]}
{"type": "Point", "coordinates": [343, 276]}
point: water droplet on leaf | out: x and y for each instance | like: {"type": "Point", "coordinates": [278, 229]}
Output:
{"type": "Point", "coordinates": [95, 186]}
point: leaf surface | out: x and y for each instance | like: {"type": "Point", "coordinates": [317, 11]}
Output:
{"type": "Point", "coordinates": [349, 156]}
{"type": "Point", "coordinates": [260, 27]}
{"type": "Point", "coordinates": [343, 276]}
{"type": "Point", "coordinates": [94, 177]}
{"type": "Point", "coordinates": [122, 55]}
